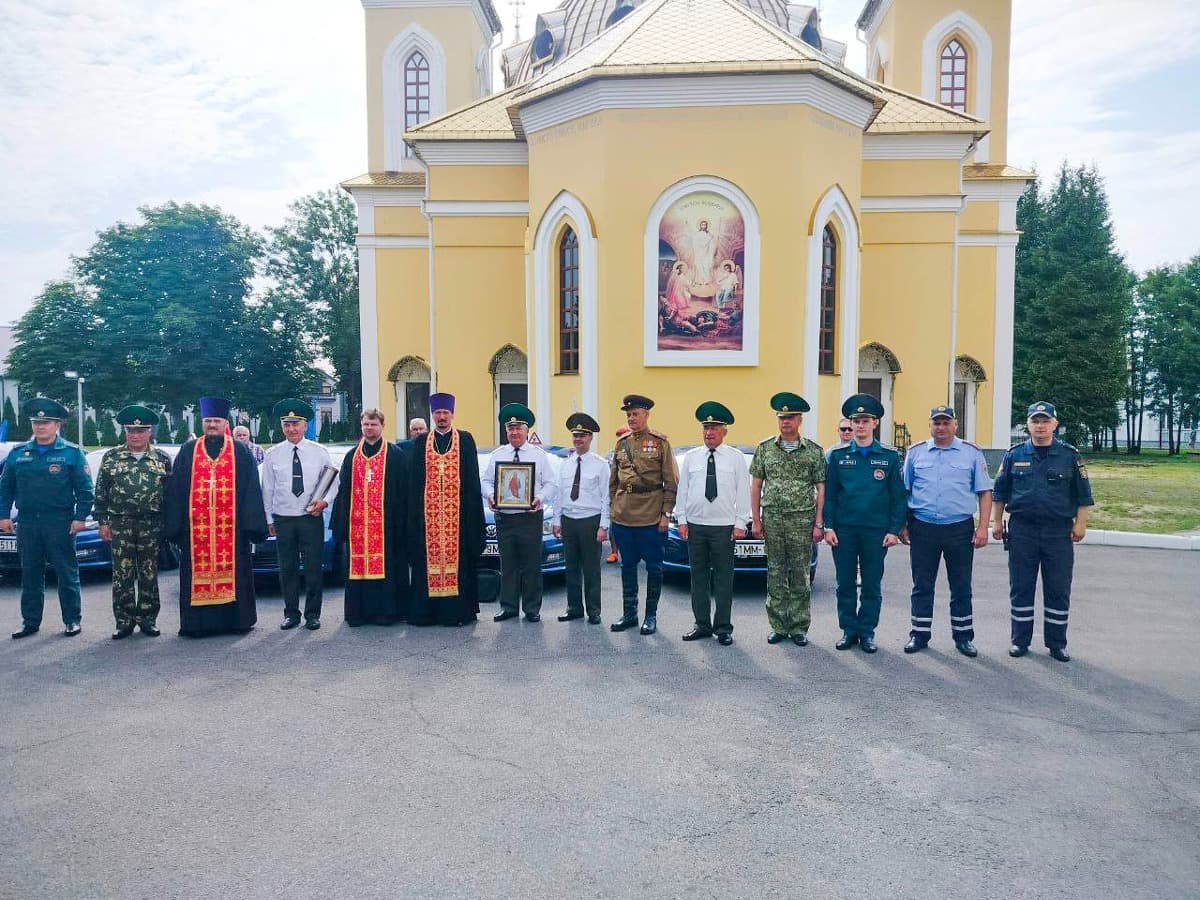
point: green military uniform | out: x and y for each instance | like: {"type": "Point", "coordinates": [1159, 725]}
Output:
{"type": "Point", "coordinates": [789, 511]}
{"type": "Point", "coordinates": [864, 502]}
{"type": "Point", "coordinates": [129, 500]}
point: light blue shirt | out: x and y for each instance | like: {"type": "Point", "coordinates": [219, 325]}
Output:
{"type": "Point", "coordinates": [944, 483]}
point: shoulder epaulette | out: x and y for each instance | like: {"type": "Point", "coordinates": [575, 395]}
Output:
{"type": "Point", "coordinates": [1069, 447]}
{"type": "Point", "coordinates": [972, 444]}
{"type": "Point", "coordinates": [767, 440]}
{"type": "Point", "coordinates": [658, 434]}
{"type": "Point", "coordinates": [890, 447]}
{"type": "Point", "coordinates": [811, 443]}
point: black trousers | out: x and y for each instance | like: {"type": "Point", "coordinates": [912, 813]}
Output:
{"type": "Point", "coordinates": [520, 538]}
{"type": "Point", "coordinates": [1038, 545]}
{"type": "Point", "coordinates": [929, 544]}
{"type": "Point", "coordinates": [710, 556]}
{"type": "Point", "coordinates": [299, 542]}
{"type": "Point", "coordinates": [581, 552]}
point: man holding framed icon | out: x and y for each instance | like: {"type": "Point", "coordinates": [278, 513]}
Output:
{"type": "Point", "coordinates": [516, 485]}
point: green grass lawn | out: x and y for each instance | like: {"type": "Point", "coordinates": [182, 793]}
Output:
{"type": "Point", "coordinates": [1152, 492]}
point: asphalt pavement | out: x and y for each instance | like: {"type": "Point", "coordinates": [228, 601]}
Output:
{"type": "Point", "coordinates": [556, 760]}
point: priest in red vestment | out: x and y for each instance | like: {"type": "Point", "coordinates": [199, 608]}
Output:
{"type": "Point", "coordinates": [213, 511]}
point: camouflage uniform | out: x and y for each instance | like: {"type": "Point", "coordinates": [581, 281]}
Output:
{"type": "Point", "coordinates": [789, 511]}
{"type": "Point", "coordinates": [129, 499]}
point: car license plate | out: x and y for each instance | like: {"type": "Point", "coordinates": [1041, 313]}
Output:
{"type": "Point", "coordinates": [490, 549]}
{"type": "Point", "coordinates": [749, 549]}
{"type": "Point", "coordinates": [8, 544]}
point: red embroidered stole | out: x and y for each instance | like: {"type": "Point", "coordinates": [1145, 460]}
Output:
{"type": "Point", "coordinates": [442, 506]}
{"type": "Point", "coordinates": [213, 506]}
{"type": "Point", "coordinates": [367, 558]}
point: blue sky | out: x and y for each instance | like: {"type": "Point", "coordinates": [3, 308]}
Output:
{"type": "Point", "coordinates": [113, 104]}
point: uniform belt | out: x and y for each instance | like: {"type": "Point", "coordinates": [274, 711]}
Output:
{"type": "Point", "coordinates": [642, 488]}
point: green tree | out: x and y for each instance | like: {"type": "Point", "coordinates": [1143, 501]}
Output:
{"type": "Point", "coordinates": [183, 434]}
{"type": "Point", "coordinates": [57, 334]}
{"type": "Point", "coordinates": [10, 416]}
{"type": "Point", "coordinates": [326, 434]}
{"type": "Point", "coordinates": [314, 263]}
{"type": "Point", "coordinates": [91, 437]}
{"type": "Point", "coordinates": [1170, 298]}
{"type": "Point", "coordinates": [163, 435]}
{"type": "Point", "coordinates": [108, 431]}
{"type": "Point", "coordinates": [1073, 302]}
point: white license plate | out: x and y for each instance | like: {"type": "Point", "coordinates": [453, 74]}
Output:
{"type": "Point", "coordinates": [490, 549]}
{"type": "Point", "coordinates": [749, 549]}
{"type": "Point", "coordinates": [8, 545]}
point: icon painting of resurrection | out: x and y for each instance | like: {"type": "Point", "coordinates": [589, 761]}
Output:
{"type": "Point", "coordinates": [701, 274]}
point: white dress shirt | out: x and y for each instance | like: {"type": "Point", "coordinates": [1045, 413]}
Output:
{"type": "Point", "coordinates": [593, 489]}
{"type": "Point", "coordinates": [543, 475]}
{"type": "Point", "coordinates": [732, 504]}
{"type": "Point", "coordinates": [276, 469]}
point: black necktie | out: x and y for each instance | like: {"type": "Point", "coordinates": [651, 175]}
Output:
{"type": "Point", "coordinates": [710, 479]}
{"type": "Point", "coordinates": [297, 473]}
{"type": "Point", "coordinates": [516, 454]}
{"type": "Point", "coordinates": [575, 483]}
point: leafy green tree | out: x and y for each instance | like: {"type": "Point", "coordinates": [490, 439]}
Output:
{"type": "Point", "coordinates": [1073, 304]}
{"type": "Point", "coordinates": [326, 434]}
{"type": "Point", "coordinates": [264, 431]}
{"type": "Point", "coordinates": [184, 433]}
{"type": "Point", "coordinates": [314, 263]}
{"type": "Point", "coordinates": [91, 437]}
{"type": "Point", "coordinates": [10, 416]}
{"type": "Point", "coordinates": [108, 431]}
{"type": "Point", "coordinates": [1170, 298]}
{"type": "Point", "coordinates": [163, 435]}
{"type": "Point", "coordinates": [57, 334]}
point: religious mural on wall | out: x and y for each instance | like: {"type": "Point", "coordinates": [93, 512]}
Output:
{"type": "Point", "coordinates": [701, 274]}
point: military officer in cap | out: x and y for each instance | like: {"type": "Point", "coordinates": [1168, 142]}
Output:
{"type": "Point", "coordinates": [518, 530]}
{"type": "Point", "coordinates": [787, 493]}
{"type": "Point", "coordinates": [642, 484]}
{"type": "Point", "coordinates": [48, 479]}
{"type": "Point", "coordinates": [130, 487]}
{"type": "Point", "coordinates": [712, 511]}
{"type": "Point", "coordinates": [290, 472]}
{"type": "Point", "coordinates": [581, 519]}
{"type": "Point", "coordinates": [865, 508]}
{"type": "Point", "coordinates": [1043, 484]}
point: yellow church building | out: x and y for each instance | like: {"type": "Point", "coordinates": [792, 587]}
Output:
{"type": "Point", "coordinates": [691, 200]}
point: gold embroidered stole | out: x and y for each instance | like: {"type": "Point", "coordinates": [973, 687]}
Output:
{"type": "Point", "coordinates": [442, 507]}
{"type": "Point", "coordinates": [367, 558]}
{"type": "Point", "coordinates": [213, 506]}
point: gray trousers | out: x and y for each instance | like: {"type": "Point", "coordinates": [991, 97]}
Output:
{"type": "Point", "coordinates": [710, 555]}
{"type": "Point", "coordinates": [581, 552]}
{"type": "Point", "coordinates": [299, 542]}
{"type": "Point", "coordinates": [520, 538]}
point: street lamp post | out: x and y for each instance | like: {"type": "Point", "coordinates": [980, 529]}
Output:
{"type": "Point", "coordinates": [79, 380]}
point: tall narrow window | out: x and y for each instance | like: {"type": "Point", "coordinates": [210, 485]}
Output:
{"type": "Point", "coordinates": [416, 92]}
{"type": "Point", "coordinates": [829, 262]}
{"type": "Point", "coordinates": [568, 304]}
{"type": "Point", "coordinates": [954, 76]}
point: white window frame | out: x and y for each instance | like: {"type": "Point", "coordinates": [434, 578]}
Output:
{"type": "Point", "coordinates": [979, 87]}
{"type": "Point", "coordinates": [414, 37]}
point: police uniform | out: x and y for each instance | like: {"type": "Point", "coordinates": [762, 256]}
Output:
{"type": "Point", "coordinates": [714, 500]}
{"type": "Point", "coordinates": [129, 501]}
{"type": "Point", "coordinates": [789, 477]}
{"type": "Point", "coordinates": [864, 502]}
{"type": "Point", "coordinates": [944, 484]}
{"type": "Point", "coordinates": [580, 512]}
{"type": "Point", "coordinates": [642, 485]}
{"type": "Point", "coordinates": [52, 487]}
{"type": "Point", "coordinates": [1042, 489]}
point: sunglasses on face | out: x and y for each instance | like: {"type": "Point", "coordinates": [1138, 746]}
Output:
{"type": "Point", "coordinates": [844, 430]}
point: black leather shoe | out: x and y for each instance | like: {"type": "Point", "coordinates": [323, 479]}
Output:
{"type": "Point", "coordinates": [724, 639]}
{"type": "Point", "coordinates": [72, 629]}
{"type": "Point", "coordinates": [800, 640]}
{"type": "Point", "coordinates": [536, 617]}
{"type": "Point", "coordinates": [650, 625]}
{"type": "Point", "coordinates": [1017, 650]}
{"type": "Point", "coordinates": [122, 633]}
{"type": "Point", "coordinates": [288, 623]}
{"type": "Point", "coordinates": [623, 625]}
{"type": "Point", "coordinates": [593, 620]}
{"type": "Point", "coordinates": [25, 631]}
{"type": "Point", "coordinates": [775, 637]}
{"type": "Point", "coordinates": [504, 615]}
{"type": "Point", "coordinates": [697, 634]}
{"type": "Point", "coordinates": [848, 640]}
{"type": "Point", "coordinates": [966, 648]}
{"type": "Point", "coordinates": [916, 645]}
{"type": "Point", "coordinates": [312, 624]}
{"type": "Point", "coordinates": [149, 629]}
{"type": "Point", "coordinates": [570, 617]}
{"type": "Point", "coordinates": [1060, 653]}
{"type": "Point", "coordinates": [867, 644]}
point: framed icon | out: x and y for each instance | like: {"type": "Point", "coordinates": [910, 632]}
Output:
{"type": "Point", "coordinates": [514, 485]}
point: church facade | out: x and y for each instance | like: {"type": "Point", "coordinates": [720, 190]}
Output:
{"type": "Point", "coordinates": [691, 200]}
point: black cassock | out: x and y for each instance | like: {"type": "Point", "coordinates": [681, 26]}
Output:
{"type": "Point", "coordinates": [463, 608]}
{"type": "Point", "coordinates": [251, 518]}
{"type": "Point", "coordinates": [382, 601]}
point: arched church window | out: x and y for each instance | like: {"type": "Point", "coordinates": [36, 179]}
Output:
{"type": "Point", "coordinates": [416, 91]}
{"type": "Point", "coordinates": [954, 75]}
{"type": "Point", "coordinates": [568, 303]}
{"type": "Point", "coordinates": [829, 274]}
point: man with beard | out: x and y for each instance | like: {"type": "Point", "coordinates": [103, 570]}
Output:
{"type": "Point", "coordinates": [214, 511]}
{"type": "Point", "coordinates": [445, 521]}
{"type": "Point", "coordinates": [369, 520]}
